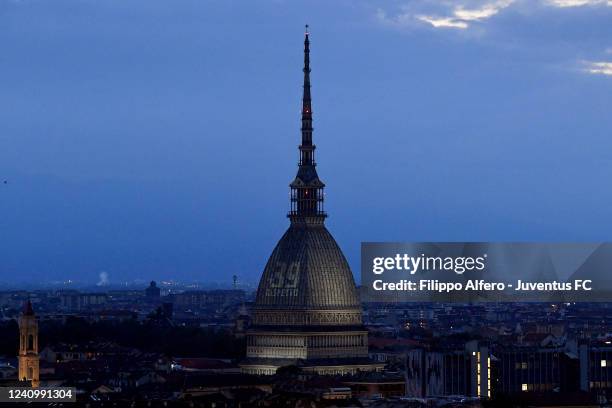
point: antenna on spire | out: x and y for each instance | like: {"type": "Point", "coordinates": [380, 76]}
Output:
{"type": "Point", "coordinates": [306, 27]}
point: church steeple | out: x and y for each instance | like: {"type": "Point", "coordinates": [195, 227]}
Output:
{"type": "Point", "coordinates": [307, 188]}
{"type": "Point", "coordinates": [28, 346]}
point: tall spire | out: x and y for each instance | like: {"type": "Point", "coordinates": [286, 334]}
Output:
{"type": "Point", "coordinates": [306, 148]}
{"type": "Point", "coordinates": [307, 188]}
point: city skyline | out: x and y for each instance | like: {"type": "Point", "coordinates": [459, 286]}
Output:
{"type": "Point", "coordinates": [158, 143]}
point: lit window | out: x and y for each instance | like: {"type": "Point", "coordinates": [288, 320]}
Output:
{"type": "Point", "coordinates": [524, 387]}
{"type": "Point", "coordinates": [604, 363]}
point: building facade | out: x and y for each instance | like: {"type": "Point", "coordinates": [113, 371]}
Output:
{"type": "Point", "coordinates": [73, 300]}
{"type": "Point", "coordinates": [433, 373]}
{"type": "Point", "coordinates": [307, 311]}
{"type": "Point", "coordinates": [596, 369]}
{"type": "Point", "coordinates": [538, 370]}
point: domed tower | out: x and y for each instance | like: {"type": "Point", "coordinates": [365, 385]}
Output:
{"type": "Point", "coordinates": [307, 310]}
{"type": "Point", "coordinates": [28, 346]}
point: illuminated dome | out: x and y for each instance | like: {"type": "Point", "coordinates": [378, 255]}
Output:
{"type": "Point", "coordinates": [307, 270]}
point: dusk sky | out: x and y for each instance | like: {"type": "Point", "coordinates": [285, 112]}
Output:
{"type": "Point", "coordinates": [156, 139]}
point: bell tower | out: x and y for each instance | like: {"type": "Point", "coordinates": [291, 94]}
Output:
{"type": "Point", "coordinates": [28, 346]}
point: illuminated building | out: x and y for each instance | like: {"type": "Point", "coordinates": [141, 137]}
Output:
{"type": "Point", "coordinates": [307, 311]}
{"type": "Point", "coordinates": [465, 371]}
{"type": "Point", "coordinates": [28, 346]}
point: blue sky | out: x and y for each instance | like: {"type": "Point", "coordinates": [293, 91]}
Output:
{"type": "Point", "coordinates": [156, 139]}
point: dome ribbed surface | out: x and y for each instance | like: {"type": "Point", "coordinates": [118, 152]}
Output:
{"type": "Point", "coordinates": [307, 270]}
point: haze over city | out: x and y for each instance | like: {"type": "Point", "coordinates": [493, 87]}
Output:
{"type": "Point", "coordinates": [156, 140]}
